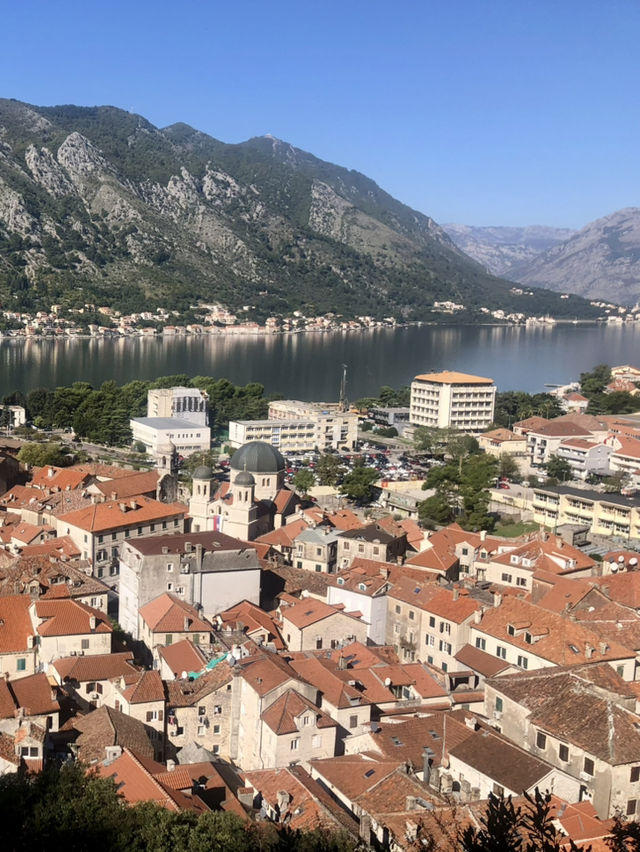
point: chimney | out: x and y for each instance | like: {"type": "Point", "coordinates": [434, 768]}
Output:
{"type": "Point", "coordinates": [427, 756]}
{"type": "Point", "coordinates": [245, 796]}
{"type": "Point", "coordinates": [50, 472]}
{"type": "Point", "coordinates": [588, 650]}
{"type": "Point", "coordinates": [187, 623]}
{"type": "Point", "coordinates": [497, 599]}
{"type": "Point", "coordinates": [114, 495]}
{"type": "Point", "coordinates": [171, 765]}
{"type": "Point", "coordinates": [122, 507]}
{"type": "Point", "coordinates": [559, 542]}
{"type": "Point", "coordinates": [133, 504]}
{"type": "Point", "coordinates": [342, 663]}
{"type": "Point", "coordinates": [477, 616]}
{"type": "Point", "coordinates": [603, 647]}
{"type": "Point", "coordinates": [472, 723]}
{"type": "Point", "coordinates": [483, 535]}
{"type": "Point", "coordinates": [456, 593]}
{"type": "Point", "coordinates": [92, 623]}
{"type": "Point", "coordinates": [188, 547]}
{"type": "Point", "coordinates": [284, 799]}
{"type": "Point", "coordinates": [410, 804]}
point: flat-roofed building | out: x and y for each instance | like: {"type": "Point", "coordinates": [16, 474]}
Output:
{"type": "Point", "coordinates": [452, 400]}
{"type": "Point", "coordinates": [156, 432]}
{"type": "Point", "coordinates": [334, 428]}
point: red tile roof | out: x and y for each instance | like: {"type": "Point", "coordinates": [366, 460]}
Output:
{"type": "Point", "coordinates": [182, 656]}
{"type": "Point", "coordinates": [15, 623]}
{"type": "Point", "coordinates": [69, 618]}
{"type": "Point", "coordinates": [167, 613]}
{"type": "Point", "coordinates": [282, 714]}
{"type": "Point", "coordinates": [117, 514]}
{"type": "Point", "coordinates": [95, 667]}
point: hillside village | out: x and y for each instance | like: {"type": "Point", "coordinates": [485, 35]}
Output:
{"type": "Point", "coordinates": [237, 646]}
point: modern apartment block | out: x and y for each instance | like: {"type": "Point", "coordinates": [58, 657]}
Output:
{"type": "Point", "coordinates": [604, 514]}
{"type": "Point", "coordinates": [452, 400]}
{"type": "Point", "coordinates": [298, 427]}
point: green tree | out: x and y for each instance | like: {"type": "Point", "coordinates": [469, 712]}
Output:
{"type": "Point", "coordinates": [558, 468]}
{"type": "Point", "coordinates": [358, 483]}
{"type": "Point", "coordinates": [39, 455]}
{"type": "Point", "coordinates": [329, 469]}
{"type": "Point", "coordinates": [508, 466]}
{"type": "Point", "coordinates": [304, 480]}
{"type": "Point", "coordinates": [506, 827]}
{"type": "Point", "coordinates": [440, 508]}
{"type": "Point", "coordinates": [595, 381]}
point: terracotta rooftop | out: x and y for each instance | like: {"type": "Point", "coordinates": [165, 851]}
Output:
{"type": "Point", "coordinates": [95, 667]}
{"type": "Point", "coordinates": [167, 613]}
{"type": "Point", "coordinates": [451, 377]}
{"type": "Point", "coordinates": [309, 611]}
{"type": "Point", "coordinates": [182, 656]}
{"type": "Point", "coordinates": [179, 543]}
{"type": "Point", "coordinates": [186, 693]}
{"type": "Point", "coordinates": [481, 662]}
{"type": "Point", "coordinates": [32, 693]}
{"type": "Point", "coordinates": [555, 639]}
{"type": "Point", "coordinates": [128, 486]}
{"type": "Point", "coordinates": [281, 716]}
{"type": "Point", "coordinates": [147, 688]}
{"type": "Point", "coordinates": [15, 623]}
{"type": "Point", "coordinates": [354, 774]}
{"type": "Point", "coordinates": [69, 618]}
{"type": "Point", "coordinates": [603, 727]}
{"type": "Point", "coordinates": [251, 619]}
{"type": "Point", "coordinates": [116, 514]}
{"type": "Point", "coordinates": [107, 727]}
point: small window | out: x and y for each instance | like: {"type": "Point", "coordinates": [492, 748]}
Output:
{"type": "Point", "coordinates": [432, 621]}
{"type": "Point", "coordinates": [201, 730]}
{"type": "Point", "coordinates": [353, 721]}
{"type": "Point", "coordinates": [481, 643]}
{"type": "Point", "coordinates": [21, 664]}
{"type": "Point", "coordinates": [588, 766]}
{"type": "Point", "coordinates": [498, 790]}
{"type": "Point", "coordinates": [541, 740]}
{"type": "Point", "coordinates": [632, 805]}
{"type": "Point", "coordinates": [216, 749]}
{"type": "Point", "coordinates": [499, 704]}
{"type": "Point", "coordinates": [523, 662]}
{"type": "Point", "coordinates": [216, 729]}
{"type": "Point", "coordinates": [635, 773]}
{"type": "Point", "coordinates": [563, 752]}
{"type": "Point", "coordinates": [84, 644]}
{"type": "Point", "coordinates": [501, 652]}
{"type": "Point", "coordinates": [412, 614]}
{"type": "Point", "coordinates": [397, 610]}
{"type": "Point", "coordinates": [169, 566]}
{"type": "Point", "coordinates": [507, 578]}
{"type": "Point", "coordinates": [295, 744]}
{"type": "Point", "coordinates": [511, 630]}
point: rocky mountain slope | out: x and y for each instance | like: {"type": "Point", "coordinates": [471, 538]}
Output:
{"type": "Point", "coordinates": [602, 261]}
{"type": "Point", "coordinates": [98, 205]}
{"type": "Point", "coordinates": [500, 249]}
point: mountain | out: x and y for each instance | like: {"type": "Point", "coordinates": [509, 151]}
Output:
{"type": "Point", "coordinates": [99, 206]}
{"type": "Point", "coordinates": [602, 261]}
{"type": "Point", "coordinates": [500, 249]}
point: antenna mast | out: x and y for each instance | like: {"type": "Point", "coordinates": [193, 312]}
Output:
{"type": "Point", "coordinates": [343, 404]}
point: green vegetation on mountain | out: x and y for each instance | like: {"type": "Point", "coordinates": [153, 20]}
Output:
{"type": "Point", "coordinates": [97, 206]}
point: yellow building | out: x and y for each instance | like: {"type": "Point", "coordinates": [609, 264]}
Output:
{"type": "Point", "coordinates": [452, 400]}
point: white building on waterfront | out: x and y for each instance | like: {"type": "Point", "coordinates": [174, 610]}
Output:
{"type": "Point", "coordinates": [452, 400]}
{"type": "Point", "coordinates": [157, 432]}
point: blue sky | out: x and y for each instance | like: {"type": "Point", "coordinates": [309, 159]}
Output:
{"type": "Point", "coordinates": [502, 112]}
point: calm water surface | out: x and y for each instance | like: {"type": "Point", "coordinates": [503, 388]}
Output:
{"type": "Point", "coordinates": [309, 366]}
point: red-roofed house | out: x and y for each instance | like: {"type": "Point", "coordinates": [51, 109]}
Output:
{"type": "Point", "coordinates": [18, 637]}
{"type": "Point", "coordinates": [312, 624]}
{"type": "Point", "coordinates": [167, 619]}
{"type": "Point", "coordinates": [68, 627]}
{"type": "Point", "coordinates": [295, 730]}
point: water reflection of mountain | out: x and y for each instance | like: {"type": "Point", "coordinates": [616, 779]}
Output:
{"type": "Point", "coordinates": [308, 366]}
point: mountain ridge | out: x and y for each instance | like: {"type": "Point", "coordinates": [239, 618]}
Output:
{"type": "Point", "coordinates": [97, 204]}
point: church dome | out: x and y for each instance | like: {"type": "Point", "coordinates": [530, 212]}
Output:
{"type": "Point", "coordinates": [203, 472]}
{"type": "Point", "coordinates": [244, 478]}
{"type": "Point", "coordinates": [257, 457]}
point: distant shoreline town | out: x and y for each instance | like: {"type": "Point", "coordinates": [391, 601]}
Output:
{"type": "Point", "coordinates": [217, 320]}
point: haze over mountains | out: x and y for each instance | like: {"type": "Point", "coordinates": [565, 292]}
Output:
{"type": "Point", "coordinates": [601, 261]}
{"type": "Point", "coordinates": [98, 205]}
